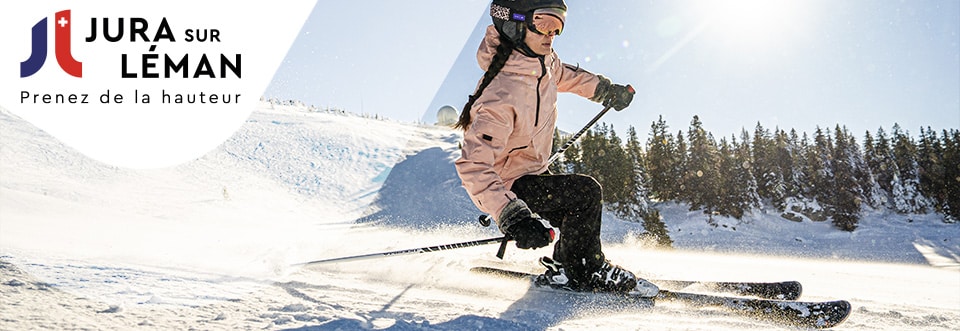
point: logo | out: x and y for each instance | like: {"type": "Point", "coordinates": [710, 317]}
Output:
{"type": "Point", "coordinates": [160, 83]}
{"type": "Point", "coordinates": [38, 55]}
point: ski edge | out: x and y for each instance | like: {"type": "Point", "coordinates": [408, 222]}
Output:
{"type": "Point", "coordinates": [782, 290]}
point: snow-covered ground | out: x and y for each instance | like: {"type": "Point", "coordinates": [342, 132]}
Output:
{"type": "Point", "coordinates": [209, 244]}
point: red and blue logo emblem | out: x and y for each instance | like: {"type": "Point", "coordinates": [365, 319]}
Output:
{"type": "Point", "coordinates": [38, 55]}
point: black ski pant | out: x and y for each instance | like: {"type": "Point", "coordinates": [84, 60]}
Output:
{"type": "Point", "coordinates": [573, 204]}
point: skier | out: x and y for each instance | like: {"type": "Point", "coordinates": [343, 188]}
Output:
{"type": "Point", "coordinates": [508, 135]}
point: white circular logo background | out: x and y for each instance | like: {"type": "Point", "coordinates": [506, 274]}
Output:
{"type": "Point", "coordinates": [132, 107]}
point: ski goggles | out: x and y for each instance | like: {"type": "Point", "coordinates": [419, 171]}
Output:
{"type": "Point", "coordinates": [547, 21]}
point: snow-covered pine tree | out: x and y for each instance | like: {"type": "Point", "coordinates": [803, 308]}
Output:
{"type": "Point", "coordinates": [783, 164]}
{"type": "Point", "coordinates": [877, 197]}
{"type": "Point", "coordinates": [749, 198]}
{"type": "Point", "coordinates": [861, 171]}
{"type": "Point", "coordinates": [764, 165]}
{"type": "Point", "coordinates": [883, 167]}
{"type": "Point", "coordinates": [818, 174]}
{"type": "Point", "coordinates": [794, 178]}
{"type": "Point", "coordinates": [682, 156]}
{"type": "Point", "coordinates": [728, 190]}
{"type": "Point", "coordinates": [908, 198]}
{"type": "Point", "coordinates": [738, 191]}
{"type": "Point", "coordinates": [951, 175]}
{"type": "Point", "coordinates": [796, 182]}
{"type": "Point", "coordinates": [932, 168]}
{"type": "Point", "coordinates": [847, 193]}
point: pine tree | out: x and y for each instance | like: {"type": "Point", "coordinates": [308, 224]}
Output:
{"type": "Point", "coordinates": [682, 157]}
{"type": "Point", "coordinates": [883, 166]}
{"type": "Point", "coordinates": [805, 163]}
{"type": "Point", "coordinates": [655, 227]}
{"type": "Point", "coordinates": [805, 173]}
{"type": "Point", "coordinates": [907, 198]}
{"type": "Point", "coordinates": [702, 176]}
{"type": "Point", "coordinates": [781, 167]}
{"type": "Point", "coordinates": [818, 174]}
{"type": "Point", "coordinates": [661, 163]}
{"type": "Point", "coordinates": [558, 166]}
{"type": "Point", "coordinates": [861, 171]}
{"type": "Point", "coordinates": [738, 190]}
{"type": "Point", "coordinates": [652, 222]}
{"type": "Point", "coordinates": [763, 161]}
{"type": "Point", "coordinates": [748, 198]}
{"type": "Point", "coordinates": [639, 197]}
{"type": "Point", "coordinates": [951, 175]}
{"type": "Point", "coordinates": [604, 159]}
{"type": "Point", "coordinates": [572, 161]}
{"type": "Point", "coordinates": [794, 180]}
{"type": "Point", "coordinates": [876, 196]}
{"type": "Point", "coordinates": [847, 194]}
{"type": "Point", "coordinates": [931, 167]}
{"type": "Point", "coordinates": [727, 194]}
{"type": "Point", "coordinates": [591, 153]}
{"type": "Point", "coordinates": [619, 173]}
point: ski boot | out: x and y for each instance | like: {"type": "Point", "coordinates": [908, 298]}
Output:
{"type": "Point", "coordinates": [608, 278]}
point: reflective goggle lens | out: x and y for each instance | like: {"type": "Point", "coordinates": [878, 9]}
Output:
{"type": "Point", "coordinates": [547, 22]}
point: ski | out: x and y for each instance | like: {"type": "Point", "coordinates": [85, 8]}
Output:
{"type": "Point", "coordinates": [786, 290]}
{"type": "Point", "coordinates": [814, 314]}
{"type": "Point", "coordinates": [810, 314]}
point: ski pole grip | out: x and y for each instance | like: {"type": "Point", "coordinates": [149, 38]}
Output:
{"type": "Point", "coordinates": [503, 247]}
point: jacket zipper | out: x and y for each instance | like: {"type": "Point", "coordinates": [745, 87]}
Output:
{"type": "Point", "coordinates": [543, 73]}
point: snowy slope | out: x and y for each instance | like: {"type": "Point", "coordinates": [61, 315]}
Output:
{"type": "Point", "coordinates": [209, 244]}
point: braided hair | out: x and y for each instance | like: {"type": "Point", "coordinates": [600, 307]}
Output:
{"type": "Point", "coordinates": [504, 50]}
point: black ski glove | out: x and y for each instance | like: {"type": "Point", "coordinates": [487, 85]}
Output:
{"type": "Point", "coordinates": [523, 226]}
{"type": "Point", "coordinates": [613, 95]}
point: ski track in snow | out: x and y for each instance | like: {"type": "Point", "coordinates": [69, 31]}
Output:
{"type": "Point", "coordinates": [208, 244]}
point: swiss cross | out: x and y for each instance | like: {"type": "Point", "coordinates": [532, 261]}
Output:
{"type": "Point", "coordinates": [63, 21]}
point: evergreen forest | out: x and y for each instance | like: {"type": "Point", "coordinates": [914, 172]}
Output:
{"type": "Point", "coordinates": [825, 176]}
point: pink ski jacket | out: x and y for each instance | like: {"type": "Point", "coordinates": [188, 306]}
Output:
{"type": "Point", "coordinates": [513, 120]}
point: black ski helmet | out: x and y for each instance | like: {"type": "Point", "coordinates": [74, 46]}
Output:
{"type": "Point", "coordinates": [511, 17]}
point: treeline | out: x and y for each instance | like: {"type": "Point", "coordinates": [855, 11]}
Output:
{"type": "Point", "coordinates": [826, 176]}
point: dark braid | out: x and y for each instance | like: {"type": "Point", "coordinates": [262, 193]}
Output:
{"type": "Point", "coordinates": [499, 60]}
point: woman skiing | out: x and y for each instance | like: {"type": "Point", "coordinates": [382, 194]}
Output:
{"type": "Point", "coordinates": [508, 135]}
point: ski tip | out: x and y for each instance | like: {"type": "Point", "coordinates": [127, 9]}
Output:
{"type": "Point", "coordinates": [798, 286]}
{"type": "Point", "coordinates": [832, 314]}
{"type": "Point", "coordinates": [794, 290]}
{"type": "Point", "coordinates": [845, 306]}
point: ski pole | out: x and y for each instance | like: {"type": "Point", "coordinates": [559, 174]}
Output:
{"type": "Point", "coordinates": [406, 251]}
{"type": "Point", "coordinates": [556, 155]}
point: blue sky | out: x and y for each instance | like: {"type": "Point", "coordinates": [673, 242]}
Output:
{"type": "Point", "coordinates": [784, 63]}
